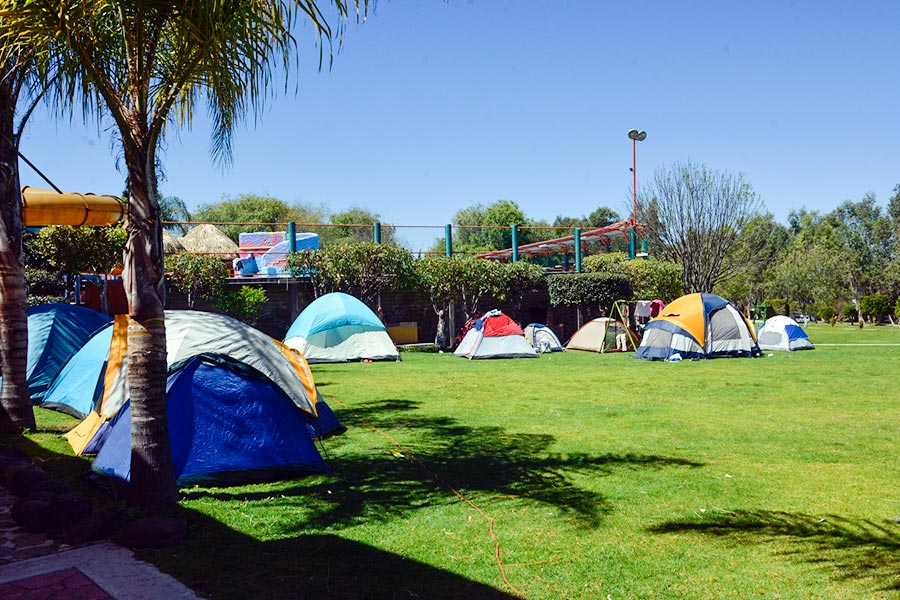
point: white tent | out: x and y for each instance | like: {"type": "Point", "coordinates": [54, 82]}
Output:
{"type": "Point", "coordinates": [601, 335]}
{"type": "Point", "coordinates": [495, 335]}
{"type": "Point", "coordinates": [782, 333]}
{"type": "Point", "coordinates": [542, 338]}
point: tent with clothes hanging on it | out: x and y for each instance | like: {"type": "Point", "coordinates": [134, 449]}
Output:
{"type": "Point", "coordinates": [698, 325]}
{"type": "Point", "coordinates": [337, 327]}
{"type": "Point", "coordinates": [193, 333]}
{"type": "Point", "coordinates": [495, 335]}
{"type": "Point", "coordinates": [55, 333]}
{"type": "Point", "coordinates": [226, 425]}
{"type": "Point", "coordinates": [602, 335]}
{"type": "Point", "coordinates": [782, 333]}
{"type": "Point", "coordinates": [79, 384]}
{"type": "Point", "coordinates": [542, 338]}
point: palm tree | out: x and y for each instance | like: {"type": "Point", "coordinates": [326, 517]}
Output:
{"type": "Point", "coordinates": [17, 413]}
{"type": "Point", "coordinates": [147, 63]}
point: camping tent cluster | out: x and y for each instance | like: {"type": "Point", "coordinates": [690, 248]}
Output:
{"type": "Point", "coordinates": [240, 405]}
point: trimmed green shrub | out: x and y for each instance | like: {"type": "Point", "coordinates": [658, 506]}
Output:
{"type": "Point", "coordinates": [589, 289]}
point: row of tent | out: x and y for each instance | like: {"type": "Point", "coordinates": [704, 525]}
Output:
{"type": "Point", "coordinates": [691, 327]}
{"type": "Point", "coordinates": [240, 404]}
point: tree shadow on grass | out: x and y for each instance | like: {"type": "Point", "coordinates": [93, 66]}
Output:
{"type": "Point", "coordinates": [220, 563]}
{"type": "Point", "coordinates": [853, 549]}
{"type": "Point", "coordinates": [386, 482]}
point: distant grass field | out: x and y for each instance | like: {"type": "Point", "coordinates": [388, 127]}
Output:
{"type": "Point", "coordinates": [605, 477]}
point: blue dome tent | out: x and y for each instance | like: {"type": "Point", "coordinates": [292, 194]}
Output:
{"type": "Point", "coordinates": [225, 425]}
{"type": "Point", "coordinates": [337, 327]}
{"type": "Point", "coordinates": [55, 333]}
{"type": "Point", "coordinates": [79, 384]}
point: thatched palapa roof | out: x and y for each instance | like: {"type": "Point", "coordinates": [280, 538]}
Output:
{"type": "Point", "coordinates": [208, 239]}
{"type": "Point", "coordinates": [171, 245]}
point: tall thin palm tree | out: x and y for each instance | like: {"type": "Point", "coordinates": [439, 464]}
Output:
{"type": "Point", "coordinates": [148, 63]}
{"type": "Point", "coordinates": [17, 413]}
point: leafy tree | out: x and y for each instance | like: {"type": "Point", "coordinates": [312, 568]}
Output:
{"type": "Point", "coordinates": [310, 264]}
{"type": "Point", "coordinates": [362, 270]}
{"type": "Point", "coordinates": [699, 216]}
{"type": "Point", "coordinates": [350, 234]}
{"type": "Point", "coordinates": [266, 212]}
{"type": "Point", "coordinates": [74, 250]}
{"type": "Point", "coordinates": [244, 305]}
{"type": "Point", "coordinates": [480, 228]}
{"type": "Point", "coordinates": [197, 276]}
{"type": "Point", "coordinates": [520, 278]}
{"type": "Point", "coordinates": [146, 64]}
{"type": "Point", "coordinates": [460, 278]}
{"type": "Point", "coordinates": [758, 250]}
{"type": "Point", "coordinates": [874, 306]}
{"type": "Point", "coordinates": [436, 278]}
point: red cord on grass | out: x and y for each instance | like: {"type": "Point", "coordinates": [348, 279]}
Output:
{"type": "Point", "coordinates": [445, 484]}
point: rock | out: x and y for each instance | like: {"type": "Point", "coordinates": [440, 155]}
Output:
{"type": "Point", "coordinates": [53, 486]}
{"type": "Point", "coordinates": [22, 477]}
{"type": "Point", "coordinates": [35, 514]}
{"type": "Point", "coordinates": [94, 527]}
{"type": "Point", "coordinates": [11, 456]}
{"type": "Point", "coordinates": [154, 532]}
{"type": "Point", "coordinates": [66, 510]}
{"type": "Point", "coordinates": [18, 515]}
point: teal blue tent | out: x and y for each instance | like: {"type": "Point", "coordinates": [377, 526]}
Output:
{"type": "Point", "coordinates": [80, 382]}
{"type": "Point", "coordinates": [225, 425]}
{"type": "Point", "coordinates": [337, 327]}
{"type": "Point", "coordinates": [55, 333]}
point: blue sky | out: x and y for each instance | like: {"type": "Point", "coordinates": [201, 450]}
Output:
{"type": "Point", "coordinates": [432, 106]}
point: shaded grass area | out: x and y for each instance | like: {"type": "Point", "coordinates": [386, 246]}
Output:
{"type": "Point", "coordinates": [849, 549]}
{"type": "Point", "coordinates": [603, 475]}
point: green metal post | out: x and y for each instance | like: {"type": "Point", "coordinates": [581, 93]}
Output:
{"type": "Point", "coordinates": [578, 250]}
{"type": "Point", "coordinates": [515, 243]}
{"type": "Point", "coordinates": [632, 243]}
{"type": "Point", "coordinates": [448, 239]}
{"type": "Point", "coordinates": [292, 236]}
{"type": "Point", "coordinates": [645, 248]}
{"type": "Point", "coordinates": [377, 233]}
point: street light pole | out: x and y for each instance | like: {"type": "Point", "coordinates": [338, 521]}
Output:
{"type": "Point", "coordinates": [635, 136]}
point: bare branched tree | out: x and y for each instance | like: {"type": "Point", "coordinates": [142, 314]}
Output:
{"type": "Point", "coordinates": [699, 215]}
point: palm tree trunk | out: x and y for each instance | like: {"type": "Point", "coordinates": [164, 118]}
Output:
{"type": "Point", "coordinates": [152, 474]}
{"type": "Point", "coordinates": [16, 412]}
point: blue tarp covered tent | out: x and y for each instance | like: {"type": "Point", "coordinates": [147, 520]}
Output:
{"type": "Point", "coordinates": [224, 426]}
{"type": "Point", "coordinates": [55, 333]}
{"type": "Point", "coordinates": [80, 382]}
{"type": "Point", "coordinates": [337, 327]}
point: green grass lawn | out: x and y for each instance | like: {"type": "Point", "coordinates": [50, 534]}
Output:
{"type": "Point", "coordinates": [604, 476]}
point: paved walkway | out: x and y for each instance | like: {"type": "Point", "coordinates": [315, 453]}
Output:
{"type": "Point", "coordinates": [36, 567]}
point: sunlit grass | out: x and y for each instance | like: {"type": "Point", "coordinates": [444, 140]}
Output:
{"type": "Point", "coordinates": [604, 475]}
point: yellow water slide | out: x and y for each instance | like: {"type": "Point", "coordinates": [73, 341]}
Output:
{"type": "Point", "coordinates": [47, 207]}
